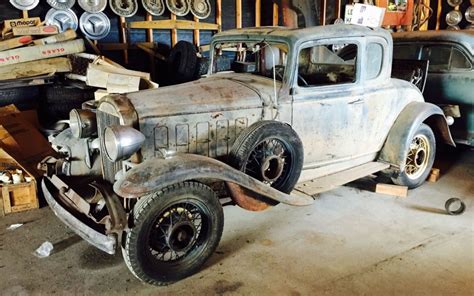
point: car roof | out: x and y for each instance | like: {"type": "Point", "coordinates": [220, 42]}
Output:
{"type": "Point", "coordinates": [466, 38]}
{"type": "Point", "coordinates": [304, 34]}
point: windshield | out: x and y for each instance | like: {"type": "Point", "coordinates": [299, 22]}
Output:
{"type": "Point", "coordinates": [257, 58]}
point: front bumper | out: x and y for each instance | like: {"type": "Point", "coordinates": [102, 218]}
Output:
{"type": "Point", "coordinates": [106, 243]}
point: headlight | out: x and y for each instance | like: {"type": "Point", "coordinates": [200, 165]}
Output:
{"type": "Point", "coordinates": [83, 123]}
{"type": "Point", "coordinates": [122, 141]}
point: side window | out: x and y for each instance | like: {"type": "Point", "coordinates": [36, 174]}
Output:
{"type": "Point", "coordinates": [319, 65]}
{"type": "Point", "coordinates": [405, 52]}
{"type": "Point", "coordinates": [438, 57]}
{"type": "Point", "coordinates": [374, 60]}
{"type": "Point", "coordinates": [459, 61]}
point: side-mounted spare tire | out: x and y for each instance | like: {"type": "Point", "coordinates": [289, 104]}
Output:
{"type": "Point", "coordinates": [271, 152]}
{"type": "Point", "coordinates": [182, 62]}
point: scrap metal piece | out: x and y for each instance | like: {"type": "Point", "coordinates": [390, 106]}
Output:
{"type": "Point", "coordinates": [453, 18]}
{"type": "Point", "coordinates": [63, 19]}
{"type": "Point", "coordinates": [451, 208]}
{"type": "Point", "coordinates": [200, 8]}
{"type": "Point", "coordinates": [178, 7]}
{"type": "Point", "coordinates": [93, 6]}
{"type": "Point", "coordinates": [95, 26]}
{"type": "Point", "coordinates": [61, 4]}
{"type": "Point", "coordinates": [125, 8]}
{"type": "Point", "coordinates": [24, 4]}
{"type": "Point", "coordinates": [154, 7]}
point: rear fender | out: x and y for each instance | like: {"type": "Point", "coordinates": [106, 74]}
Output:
{"type": "Point", "coordinates": [157, 173]}
{"type": "Point", "coordinates": [396, 146]}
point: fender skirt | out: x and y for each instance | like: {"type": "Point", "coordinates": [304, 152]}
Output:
{"type": "Point", "coordinates": [395, 149]}
{"type": "Point", "coordinates": [158, 173]}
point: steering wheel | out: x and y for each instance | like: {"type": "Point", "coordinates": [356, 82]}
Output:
{"type": "Point", "coordinates": [280, 69]}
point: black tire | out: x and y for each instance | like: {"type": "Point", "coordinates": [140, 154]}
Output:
{"type": "Point", "coordinates": [24, 98]}
{"type": "Point", "coordinates": [191, 198]}
{"type": "Point", "coordinates": [182, 62]}
{"type": "Point", "coordinates": [263, 131]}
{"type": "Point", "coordinates": [60, 100]}
{"type": "Point", "coordinates": [420, 160]}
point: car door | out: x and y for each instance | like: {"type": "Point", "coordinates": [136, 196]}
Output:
{"type": "Point", "coordinates": [328, 102]}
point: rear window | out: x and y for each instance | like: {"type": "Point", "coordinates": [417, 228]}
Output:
{"type": "Point", "coordinates": [406, 52]}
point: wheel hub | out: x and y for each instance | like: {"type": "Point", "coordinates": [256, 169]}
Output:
{"type": "Point", "coordinates": [272, 168]}
{"type": "Point", "coordinates": [181, 236]}
{"type": "Point", "coordinates": [418, 156]}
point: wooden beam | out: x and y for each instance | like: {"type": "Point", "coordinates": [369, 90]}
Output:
{"type": "Point", "coordinates": [174, 32]}
{"type": "Point", "coordinates": [196, 39]}
{"type": "Point", "coordinates": [275, 14]}
{"type": "Point", "coordinates": [238, 14]}
{"type": "Point", "coordinates": [219, 14]}
{"type": "Point", "coordinates": [258, 12]}
{"type": "Point", "coordinates": [173, 24]}
{"type": "Point", "coordinates": [25, 13]}
{"type": "Point", "coordinates": [149, 38]}
{"type": "Point", "coordinates": [123, 36]}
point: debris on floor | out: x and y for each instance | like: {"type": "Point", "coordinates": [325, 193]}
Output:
{"type": "Point", "coordinates": [14, 226]}
{"type": "Point", "coordinates": [44, 250]}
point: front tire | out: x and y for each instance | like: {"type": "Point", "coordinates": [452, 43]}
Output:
{"type": "Point", "coordinates": [175, 231]}
{"type": "Point", "coordinates": [420, 158]}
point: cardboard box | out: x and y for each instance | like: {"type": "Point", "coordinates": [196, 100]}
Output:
{"type": "Point", "coordinates": [41, 30]}
{"type": "Point", "coordinates": [64, 36]}
{"type": "Point", "coordinates": [40, 52]}
{"type": "Point", "coordinates": [15, 42]}
{"type": "Point", "coordinates": [367, 15]}
{"type": "Point", "coordinates": [35, 68]}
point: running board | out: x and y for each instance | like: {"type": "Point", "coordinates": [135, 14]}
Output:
{"type": "Point", "coordinates": [332, 181]}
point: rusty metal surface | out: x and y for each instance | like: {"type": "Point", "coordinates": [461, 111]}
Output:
{"type": "Point", "coordinates": [246, 199]}
{"type": "Point", "coordinates": [396, 147]}
{"type": "Point", "coordinates": [156, 173]}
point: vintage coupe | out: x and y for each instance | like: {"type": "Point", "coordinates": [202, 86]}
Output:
{"type": "Point", "coordinates": [450, 73]}
{"type": "Point", "coordinates": [164, 161]}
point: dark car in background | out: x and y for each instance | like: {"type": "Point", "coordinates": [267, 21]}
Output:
{"type": "Point", "coordinates": [450, 79]}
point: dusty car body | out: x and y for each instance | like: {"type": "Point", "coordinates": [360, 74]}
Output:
{"type": "Point", "coordinates": [295, 111]}
{"type": "Point", "coordinates": [450, 73]}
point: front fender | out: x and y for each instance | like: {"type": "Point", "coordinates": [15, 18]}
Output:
{"type": "Point", "coordinates": [399, 138]}
{"type": "Point", "coordinates": [157, 173]}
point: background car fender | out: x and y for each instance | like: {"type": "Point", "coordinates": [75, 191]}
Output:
{"type": "Point", "coordinates": [396, 145]}
{"type": "Point", "coordinates": [157, 173]}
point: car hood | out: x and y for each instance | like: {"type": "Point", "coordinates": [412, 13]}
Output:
{"type": "Point", "coordinates": [218, 92]}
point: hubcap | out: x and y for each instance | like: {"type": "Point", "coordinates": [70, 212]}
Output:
{"type": "Point", "coordinates": [418, 156]}
{"type": "Point", "coordinates": [181, 236]}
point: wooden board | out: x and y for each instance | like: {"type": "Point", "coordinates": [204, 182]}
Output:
{"type": "Point", "coordinates": [332, 181]}
{"type": "Point", "coordinates": [172, 24]}
{"type": "Point", "coordinates": [15, 42]}
{"type": "Point", "coordinates": [41, 30]}
{"type": "Point", "coordinates": [395, 190]}
{"type": "Point", "coordinates": [18, 198]}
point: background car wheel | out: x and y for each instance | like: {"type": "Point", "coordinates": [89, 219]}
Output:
{"type": "Point", "coordinates": [271, 152]}
{"type": "Point", "coordinates": [175, 231]}
{"type": "Point", "coordinates": [420, 158]}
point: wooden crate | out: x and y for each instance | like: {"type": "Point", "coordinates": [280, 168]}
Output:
{"type": "Point", "coordinates": [18, 198]}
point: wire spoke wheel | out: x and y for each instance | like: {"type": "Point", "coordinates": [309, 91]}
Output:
{"type": "Point", "coordinates": [418, 156]}
{"type": "Point", "coordinates": [176, 229]}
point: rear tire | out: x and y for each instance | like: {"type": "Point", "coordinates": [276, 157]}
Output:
{"type": "Point", "coordinates": [420, 158]}
{"type": "Point", "coordinates": [176, 229]}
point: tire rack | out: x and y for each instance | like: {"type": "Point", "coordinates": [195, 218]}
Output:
{"type": "Point", "coordinates": [173, 24]}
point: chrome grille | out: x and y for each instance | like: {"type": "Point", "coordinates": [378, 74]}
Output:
{"type": "Point", "coordinates": [109, 168]}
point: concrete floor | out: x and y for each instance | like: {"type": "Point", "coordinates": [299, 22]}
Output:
{"type": "Point", "coordinates": [350, 242]}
